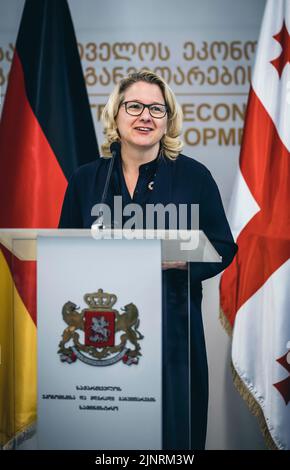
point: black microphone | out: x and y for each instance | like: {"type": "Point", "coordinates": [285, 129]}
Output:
{"type": "Point", "coordinates": [115, 149]}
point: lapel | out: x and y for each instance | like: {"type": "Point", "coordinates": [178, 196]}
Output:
{"type": "Point", "coordinates": [162, 190]}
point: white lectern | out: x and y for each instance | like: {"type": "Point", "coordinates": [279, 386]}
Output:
{"type": "Point", "coordinates": [100, 332]}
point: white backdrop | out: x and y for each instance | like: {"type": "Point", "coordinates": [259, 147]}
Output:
{"type": "Point", "coordinates": [205, 49]}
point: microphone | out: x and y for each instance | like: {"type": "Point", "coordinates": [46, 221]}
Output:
{"type": "Point", "coordinates": [114, 148]}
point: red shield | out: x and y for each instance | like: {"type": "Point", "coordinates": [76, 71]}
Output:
{"type": "Point", "coordinates": [99, 328]}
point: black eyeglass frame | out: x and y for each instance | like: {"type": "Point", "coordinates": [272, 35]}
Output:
{"type": "Point", "coordinates": [125, 103]}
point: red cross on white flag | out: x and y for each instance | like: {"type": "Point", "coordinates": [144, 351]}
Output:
{"type": "Point", "coordinates": [255, 288]}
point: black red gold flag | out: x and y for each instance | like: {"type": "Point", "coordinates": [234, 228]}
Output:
{"type": "Point", "coordinates": [46, 132]}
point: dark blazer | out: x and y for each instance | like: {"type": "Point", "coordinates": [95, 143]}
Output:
{"type": "Point", "coordinates": [183, 181]}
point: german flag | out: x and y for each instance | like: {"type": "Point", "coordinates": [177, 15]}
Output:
{"type": "Point", "coordinates": [46, 131]}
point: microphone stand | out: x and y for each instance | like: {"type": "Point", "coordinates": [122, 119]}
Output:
{"type": "Point", "coordinates": [100, 220]}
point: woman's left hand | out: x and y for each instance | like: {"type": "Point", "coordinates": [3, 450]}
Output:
{"type": "Point", "coordinates": [174, 265]}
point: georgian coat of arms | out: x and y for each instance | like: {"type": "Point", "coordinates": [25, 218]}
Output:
{"type": "Point", "coordinates": [100, 327]}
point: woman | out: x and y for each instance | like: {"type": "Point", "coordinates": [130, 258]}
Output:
{"type": "Point", "coordinates": [143, 116]}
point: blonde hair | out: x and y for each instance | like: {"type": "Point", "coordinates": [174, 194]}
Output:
{"type": "Point", "coordinates": [171, 145]}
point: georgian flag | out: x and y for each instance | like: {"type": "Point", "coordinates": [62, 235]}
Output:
{"type": "Point", "coordinates": [255, 288]}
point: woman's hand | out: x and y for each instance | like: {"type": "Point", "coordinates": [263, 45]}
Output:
{"type": "Point", "coordinates": [174, 265]}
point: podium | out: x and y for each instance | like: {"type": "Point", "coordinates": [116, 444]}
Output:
{"type": "Point", "coordinates": [103, 363]}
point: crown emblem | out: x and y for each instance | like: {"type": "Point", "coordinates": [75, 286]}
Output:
{"type": "Point", "coordinates": [107, 334]}
{"type": "Point", "coordinates": [100, 299]}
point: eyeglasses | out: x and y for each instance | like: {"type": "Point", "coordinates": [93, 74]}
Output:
{"type": "Point", "coordinates": [134, 108]}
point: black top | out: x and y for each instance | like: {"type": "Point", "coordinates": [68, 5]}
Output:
{"type": "Point", "coordinates": [144, 186]}
{"type": "Point", "coordinates": [180, 181]}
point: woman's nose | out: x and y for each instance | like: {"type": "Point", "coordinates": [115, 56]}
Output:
{"type": "Point", "coordinates": [146, 116]}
